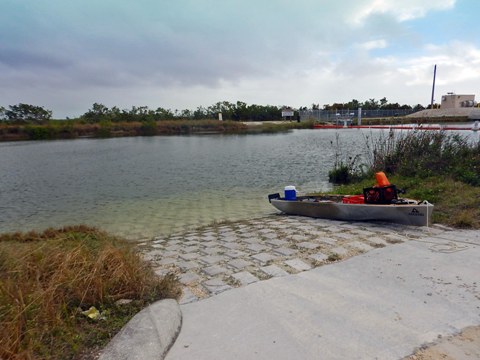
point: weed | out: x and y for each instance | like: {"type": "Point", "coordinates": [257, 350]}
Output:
{"type": "Point", "coordinates": [345, 169]}
{"type": "Point", "coordinates": [394, 241]}
{"type": "Point", "coordinates": [334, 257]}
{"type": "Point", "coordinates": [47, 279]}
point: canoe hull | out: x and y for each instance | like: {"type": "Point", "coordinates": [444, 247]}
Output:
{"type": "Point", "coordinates": [408, 214]}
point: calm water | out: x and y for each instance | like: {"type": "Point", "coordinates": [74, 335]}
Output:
{"type": "Point", "coordinates": [145, 186]}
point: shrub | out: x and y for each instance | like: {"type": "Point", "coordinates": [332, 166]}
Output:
{"type": "Point", "coordinates": [148, 128]}
{"type": "Point", "coordinates": [105, 129]}
{"type": "Point", "coordinates": [38, 132]}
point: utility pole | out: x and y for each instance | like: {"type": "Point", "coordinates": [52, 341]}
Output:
{"type": "Point", "coordinates": [433, 87]}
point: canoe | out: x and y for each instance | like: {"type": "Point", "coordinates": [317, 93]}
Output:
{"type": "Point", "coordinates": [404, 211]}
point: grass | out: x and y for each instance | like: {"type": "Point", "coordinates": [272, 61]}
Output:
{"type": "Point", "coordinates": [334, 257]}
{"type": "Point", "coordinates": [48, 279]}
{"type": "Point", "coordinates": [268, 127]}
{"type": "Point", "coordinates": [425, 154]}
{"type": "Point", "coordinates": [430, 165]}
{"type": "Point", "coordinates": [73, 129]}
{"type": "Point", "coordinates": [457, 204]}
{"type": "Point", "coordinates": [441, 168]}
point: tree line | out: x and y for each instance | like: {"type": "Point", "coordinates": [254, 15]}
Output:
{"type": "Point", "coordinates": [237, 111]}
{"type": "Point", "coordinates": [25, 113]}
{"type": "Point", "coordinates": [370, 104]}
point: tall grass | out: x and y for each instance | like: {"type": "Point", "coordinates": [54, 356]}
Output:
{"type": "Point", "coordinates": [425, 154]}
{"type": "Point", "coordinates": [47, 279]}
{"type": "Point", "coordinates": [346, 168]}
{"type": "Point", "coordinates": [440, 167]}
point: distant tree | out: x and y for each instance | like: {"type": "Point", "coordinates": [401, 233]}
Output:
{"type": "Point", "coordinates": [263, 113]}
{"type": "Point", "coordinates": [186, 114]}
{"type": "Point", "coordinates": [27, 113]}
{"type": "Point", "coordinates": [418, 107]}
{"type": "Point", "coordinates": [241, 111]}
{"type": "Point", "coordinates": [115, 114]}
{"type": "Point", "coordinates": [97, 113]}
{"type": "Point", "coordinates": [200, 113]}
{"type": "Point", "coordinates": [164, 114]}
{"type": "Point", "coordinates": [384, 102]}
{"type": "Point", "coordinates": [370, 104]}
{"type": "Point", "coordinates": [141, 113]}
{"type": "Point", "coordinates": [226, 108]}
{"type": "Point", "coordinates": [393, 106]}
{"type": "Point", "coordinates": [354, 104]}
{"type": "Point", "coordinates": [2, 113]}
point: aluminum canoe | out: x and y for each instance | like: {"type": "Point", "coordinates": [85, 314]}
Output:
{"type": "Point", "coordinates": [411, 213]}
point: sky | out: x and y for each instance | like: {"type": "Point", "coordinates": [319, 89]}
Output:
{"type": "Point", "coordinates": [66, 55]}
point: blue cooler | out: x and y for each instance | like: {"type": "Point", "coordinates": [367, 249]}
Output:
{"type": "Point", "coordinates": [290, 193]}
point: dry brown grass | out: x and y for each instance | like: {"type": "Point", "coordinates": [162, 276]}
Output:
{"type": "Point", "coordinates": [47, 279]}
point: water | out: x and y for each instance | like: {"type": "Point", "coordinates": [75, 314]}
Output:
{"type": "Point", "coordinates": [140, 187]}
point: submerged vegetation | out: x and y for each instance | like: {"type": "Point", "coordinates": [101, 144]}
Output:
{"type": "Point", "coordinates": [430, 165]}
{"type": "Point", "coordinates": [49, 281]}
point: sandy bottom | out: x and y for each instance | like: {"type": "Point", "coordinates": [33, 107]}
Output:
{"type": "Point", "coordinates": [464, 346]}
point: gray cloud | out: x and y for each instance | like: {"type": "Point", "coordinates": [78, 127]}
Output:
{"type": "Point", "coordinates": [180, 52]}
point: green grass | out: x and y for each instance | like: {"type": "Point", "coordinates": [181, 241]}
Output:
{"type": "Point", "coordinates": [47, 279]}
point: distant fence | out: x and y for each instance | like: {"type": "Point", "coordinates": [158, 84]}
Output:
{"type": "Point", "coordinates": [333, 115]}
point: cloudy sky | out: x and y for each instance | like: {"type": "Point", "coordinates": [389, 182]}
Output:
{"type": "Point", "coordinates": [180, 54]}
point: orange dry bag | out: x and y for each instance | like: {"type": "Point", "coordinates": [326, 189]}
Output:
{"type": "Point", "coordinates": [382, 179]}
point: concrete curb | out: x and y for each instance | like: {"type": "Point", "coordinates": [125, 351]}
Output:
{"type": "Point", "coordinates": [148, 335]}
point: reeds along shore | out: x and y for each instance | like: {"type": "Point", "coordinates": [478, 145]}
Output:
{"type": "Point", "coordinates": [438, 166]}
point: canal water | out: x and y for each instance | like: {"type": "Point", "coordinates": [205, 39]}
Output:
{"type": "Point", "coordinates": [140, 187]}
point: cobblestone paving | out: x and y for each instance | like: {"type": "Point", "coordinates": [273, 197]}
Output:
{"type": "Point", "coordinates": [220, 257]}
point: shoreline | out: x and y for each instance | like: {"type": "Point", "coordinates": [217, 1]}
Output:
{"type": "Point", "coordinates": [71, 129]}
